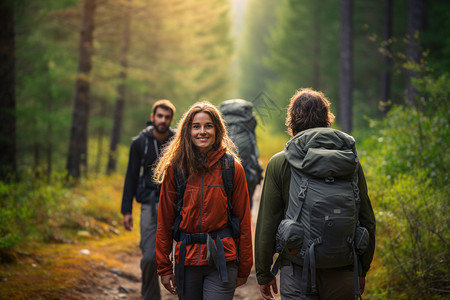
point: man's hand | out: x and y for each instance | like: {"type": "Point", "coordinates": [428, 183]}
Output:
{"type": "Point", "coordinates": [128, 221]}
{"type": "Point", "coordinates": [266, 293]}
{"type": "Point", "coordinates": [362, 284]}
{"type": "Point", "coordinates": [168, 281]}
{"type": "Point", "coordinates": [240, 281]}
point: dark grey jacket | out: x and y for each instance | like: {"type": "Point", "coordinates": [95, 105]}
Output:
{"type": "Point", "coordinates": [134, 164]}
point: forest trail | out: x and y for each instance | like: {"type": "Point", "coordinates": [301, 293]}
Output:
{"type": "Point", "coordinates": [123, 282]}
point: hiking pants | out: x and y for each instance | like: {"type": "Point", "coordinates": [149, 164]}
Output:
{"type": "Point", "coordinates": [203, 282]}
{"type": "Point", "coordinates": [150, 281]}
{"type": "Point", "coordinates": [331, 284]}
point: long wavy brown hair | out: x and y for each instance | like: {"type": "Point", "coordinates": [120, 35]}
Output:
{"type": "Point", "coordinates": [182, 154]}
{"type": "Point", "coordinates": [308, 109]}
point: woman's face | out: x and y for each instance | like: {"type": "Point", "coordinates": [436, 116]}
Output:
{"type": "Point", "coordinates": [203, 133]}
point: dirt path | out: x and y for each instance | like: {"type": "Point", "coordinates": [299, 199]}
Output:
{"type": "Point", "coordinates": [124, 282]}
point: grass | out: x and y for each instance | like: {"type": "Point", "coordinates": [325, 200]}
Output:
{"type": "Point", "coordinates": [39, 270]}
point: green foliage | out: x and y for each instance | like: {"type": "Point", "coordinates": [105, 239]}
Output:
{"type": "Point", "coordinates": [293, 57]}
{"type": "Point", "coordinates": [407, 167]}
{"type": "Point", "coordinates": [47, 210]}
{"type": "Point", "coordinates": [410, 139]}
{"type": "Point", "coordinates": [179, 50]}
{"type": "Point", "coordinates": [29, 208]}
{"type": "Point", "coordinates": [45, 65]}
{"type": "Point", "coordinates": [413, 237]}
{"type": "Point", "coordinates": [12, 216]}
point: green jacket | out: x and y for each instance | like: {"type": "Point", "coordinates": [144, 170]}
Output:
{"type": "Point", "coordinates": [274, 201]}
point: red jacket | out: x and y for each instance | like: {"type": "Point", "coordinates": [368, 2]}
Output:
{"type": "Point", "coordinates": [205, 209]}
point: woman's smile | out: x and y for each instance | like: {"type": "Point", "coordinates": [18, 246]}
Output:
{"type": "Point", "coordinates": [203, 133]}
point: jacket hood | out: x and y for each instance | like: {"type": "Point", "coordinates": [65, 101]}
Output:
{"type": "Point", "coordinates": [320, 137]}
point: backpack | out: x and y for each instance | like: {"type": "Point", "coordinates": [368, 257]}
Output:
{"type": "Point", "coordinates": [321, 226]}
{"type": "Point", "coordinates": [147, 191]}
{"type": "Point", "coordinates": [241, 123]}
{"type": "Point", "coordinates": [217, 256]}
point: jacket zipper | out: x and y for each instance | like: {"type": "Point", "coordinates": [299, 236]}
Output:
{"type": "Point", "coordinates": [201, 215]}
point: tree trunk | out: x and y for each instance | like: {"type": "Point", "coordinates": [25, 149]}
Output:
{"type": "Point", "coordinates": [77, 156]}
{"type": "Point", "coordinates": [316, 54]}
{"type": "Point", "coordinates": [416, 15]}
{"type": "Point", "coordinates": [49, 143]}
{"type": "Point", "coordinates": [387, 59]}
{"type": "Point", "coordinates": [345, 67]}
{"type": "Point", "coordinates": [7, 91]}
{"type": "Point", "coordinates": [118, 108]}
{"type": "Point", "coordinates": [100, 134]}
{"type": "Point", "coordinates": [49, 135]}
{"type": "Point", "coordinates": [37, 170]}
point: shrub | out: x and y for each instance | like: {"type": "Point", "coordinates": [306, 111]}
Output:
{"type": "Point", "coordinates": [413, 239]}
{"type": "Point", "coordinates": [407, 172]}
{"type": "Point", "coordinates": [48, 210]}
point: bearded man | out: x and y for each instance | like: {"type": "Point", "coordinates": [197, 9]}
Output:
{"type": "Point", "coordinates": [144, 151]}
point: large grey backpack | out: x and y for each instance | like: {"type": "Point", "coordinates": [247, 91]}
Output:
{"type": "Point", "coordinates": [241, 124]}
{"type": "Point", "coordinates": [321, 221]}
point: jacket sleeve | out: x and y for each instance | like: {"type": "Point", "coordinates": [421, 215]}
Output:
{"type": "Point", "coordinates": [131, 177]}
{"type": "Point", "coordinates": [367, 220]}
{"type": "Point", "coordinates": [271, 210]}
{"type": "Point", "coordinates": [166, 216]}
{"type": "Point", "coordinates": [241, 209]}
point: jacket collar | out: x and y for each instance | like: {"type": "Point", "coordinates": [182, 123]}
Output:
{"type": "Point", "coordinates": [213, 156]}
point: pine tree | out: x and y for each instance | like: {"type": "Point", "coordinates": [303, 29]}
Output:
{"type": "Point", "coordinates": [77, 156]}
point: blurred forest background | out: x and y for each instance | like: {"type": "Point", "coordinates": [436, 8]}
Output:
{"type": "Point", "coordinates": [78, 78]}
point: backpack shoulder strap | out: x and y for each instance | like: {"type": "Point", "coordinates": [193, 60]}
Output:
{"type": "Point", "coordinates": [180, 188]}
{"type": "Point", "coordinates": [297, 193]}
{"type": "Point", "coordinates": [144, 154]}
{"type": "Point", "coordinates": [227, 167]}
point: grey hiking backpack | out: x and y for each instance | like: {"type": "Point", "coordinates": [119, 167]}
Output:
{"type": "Point", "coordinates": [241, 123]}
{"type": "Point", "coordinates": [321, 226]}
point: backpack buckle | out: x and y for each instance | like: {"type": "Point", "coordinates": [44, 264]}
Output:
{"type": "Point", "coordinates": [302, 193]}
{"type": "Point", "coordinates": [356, 192]}
{"type": "Point", "coordinates": [303, 188]}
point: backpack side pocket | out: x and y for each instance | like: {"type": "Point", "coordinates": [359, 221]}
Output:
{"type": "Point", "coordinates": [290, 235]}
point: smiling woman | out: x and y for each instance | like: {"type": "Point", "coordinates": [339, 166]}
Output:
{"type": "Point", "coordinates": [203, 206]}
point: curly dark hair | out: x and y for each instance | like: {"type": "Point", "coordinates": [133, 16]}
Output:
{"type": "Point", "coordinates": [308, 109]}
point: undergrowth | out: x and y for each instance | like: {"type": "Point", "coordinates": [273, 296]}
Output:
{"type": "Point", "coordinates": [406, 164]}
{"type": "Point", "coordinates": [58, 261]}
{"type": "Point", "coordinates": [50, 211]}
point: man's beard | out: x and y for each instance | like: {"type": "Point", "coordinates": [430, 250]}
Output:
{"type": "Point", "coordinates": [161, 128]}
